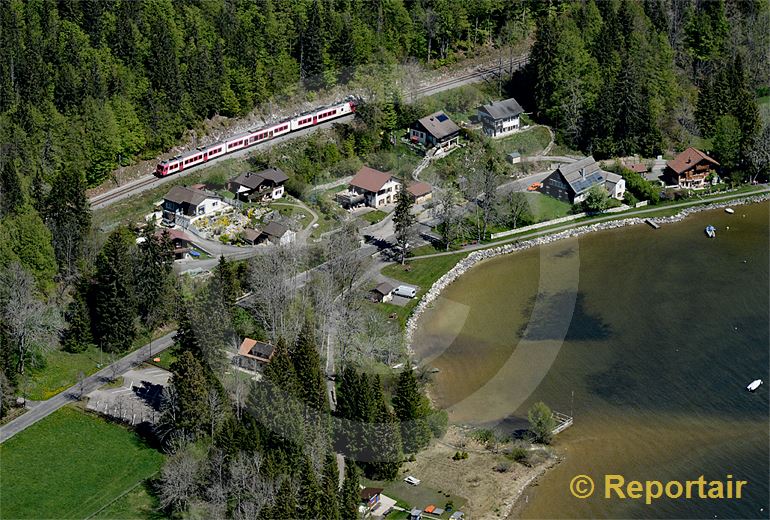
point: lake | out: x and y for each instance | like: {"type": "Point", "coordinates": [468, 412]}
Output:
{"type": "Point", "coordinates": [648, 337]}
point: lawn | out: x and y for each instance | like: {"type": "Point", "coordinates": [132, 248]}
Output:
{"type": "Point", "coordinates": [138, 503]}
{"type": "Point", "coordinates": [528, 142]}
{"type": "Point", "coordinates": [417, 496]}
{"type": "Point", "coordinates": [70, 465]}
{"type": "Point", "coordinates": [61, 372]}
{"type": "Point", "coordinates": [544, 207]}
{"type": "Point", "coordinates": [375, 216]}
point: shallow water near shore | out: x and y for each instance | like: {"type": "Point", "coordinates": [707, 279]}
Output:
{"type": "Point", "coordinates": [648, 337]}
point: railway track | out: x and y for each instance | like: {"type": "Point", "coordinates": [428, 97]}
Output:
{"type": "Point", "coordinates": [150, 181]}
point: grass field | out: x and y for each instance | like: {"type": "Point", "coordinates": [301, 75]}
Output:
{"type": "Point", "coordinates": [375, 216]}
{"type": "Point", "coordinates": [138, 503]}
{"type": "Point", "coordinates": [528, 142]}
{"type": "Point", "coordinates": [417, 496]}
{"type": "Point", "coordinates": [544, 207]}
{"type": "Point", "coordinates": [70, 465]}
{"type": "Point", "coordinates": [61, 372]}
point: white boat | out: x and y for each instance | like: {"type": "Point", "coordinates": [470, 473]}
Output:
{"type": "Point", "coordinates": [754, 385]}
{"type": "Point", "coordinates": [711, 231]}
{"type": "Point", "coordinates": [729, 210]}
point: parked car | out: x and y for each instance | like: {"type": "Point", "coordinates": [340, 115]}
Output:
{"type": "Point", "coordinates": [405, 291]}
{"type": "Point", "coordinates": [411, 480]}
{"type": "Point", "coordinates": [534, 186]}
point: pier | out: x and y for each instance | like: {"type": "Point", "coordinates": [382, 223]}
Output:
{"type": "Point", "coordinates": [651, 223]}
{"type": "Point", "coordinates": [563, 422]}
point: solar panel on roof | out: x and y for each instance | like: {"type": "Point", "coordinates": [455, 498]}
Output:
{"type": "Point", "coordinates": [442, 117]}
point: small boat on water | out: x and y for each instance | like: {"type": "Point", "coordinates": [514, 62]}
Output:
{"type": "Point", "coordinates": [729, 210]}
{"type": "Point", "coordinates": [754, 385]}
{"type": "Point", "coordinates": [711, 231]}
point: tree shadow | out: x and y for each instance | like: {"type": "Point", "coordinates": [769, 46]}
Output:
{"type": "Point", "coordinates": [546, 311]}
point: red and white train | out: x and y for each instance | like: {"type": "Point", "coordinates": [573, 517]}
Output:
{"type": "Point", "coordinates": [239, 142]}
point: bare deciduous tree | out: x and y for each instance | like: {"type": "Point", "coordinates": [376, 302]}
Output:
{"type": "Point", "coordinates": [178, 479]}
{"type": "Point", "coordinates": [32, 325]}
{"type": "Point", "coordinates": [445, 209]}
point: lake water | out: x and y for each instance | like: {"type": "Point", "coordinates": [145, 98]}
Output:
{"type": "Point", "coordinates": [648, 337]}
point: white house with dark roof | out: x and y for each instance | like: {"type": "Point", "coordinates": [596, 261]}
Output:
{"type": "Point", "coordinates": [435, 130]}
{"type": "Point", "coordinates": [571, 182]}
{"type": "Point", "coordinates": [500, 117]}
{"type": "Point", "coordinates": [371, 187]}
{"type": "Point", "coordinates": [189, 202]}
{"type": "Point", "coordinates": [265, 185]}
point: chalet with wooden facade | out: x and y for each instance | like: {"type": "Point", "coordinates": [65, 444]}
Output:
{"type": "Point", "coordinates": [253, 354]}
{"type": "Point", "coordinates": [500, 118]}
{"type": "Point", "coordinates": [571, 182]}
{"type": "Point", "coordinates": [435, 130]}
{"type": "Point", "coordinates": [370, 187]}
{"type": "Point", "coordinates": [262, 186]}
{"type": "Point", "coordinates": [421, 192]}
{"type": "Point", "coordinates": [181, 242]}
{"type": "Point", "coordinates": [691, 169]}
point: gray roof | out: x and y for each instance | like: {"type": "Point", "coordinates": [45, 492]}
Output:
{"type": "Point", "coordinates": [384, 288]}
{"type": "Point", "coordinates": [275, 229]}
{"type": "Point", "coordinates": [274, 174]}
{"type": "Point", "coordinates": [182, 194]}
{"type": "Point", "coordinates": [503, 109]}
{"type": "Point", "coordinates": [439, 125]}
{"type": "Point", "coordinates": [253, 180]}
{"type": "Point", "coordinates": [583, 174]}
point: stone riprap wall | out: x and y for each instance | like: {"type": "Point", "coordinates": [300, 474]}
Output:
{"type": "Point", "coordinates": [477, 256]}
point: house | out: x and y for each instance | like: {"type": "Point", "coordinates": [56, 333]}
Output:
{"type": "Point", "coordinates": [571, 182]}
{"type": "Point", "coordinates": [251, 236]}
{"type": "Point", "coordinates": [383, 292]}
{"type": "Point", "coordinates": [415, 514]}
{"type": "Point", "coordinates": [513, 157]}
{"type": "Point", "coordinates": [181, 242]}
{"type": "Point", "coordinates": [189, 202]}
{"type": "Point", "coordinates": [435, 130]}
{"type": "Point", "coordinates": [266, 185]}
{"type": "Point", "coordinates": [500, 118]}
{"type": "Point", "coordinates": [253, 353]}
{"type": "Point", "coordinates": [421, 192]}
{"type": "Point", "coordinates": [371, 187]}
{"type": "Point", "coordinates": [639, 168]}
{"type": "Point", "coordinates": [277, 233]}
{"type": "Point", "coordinates": [691, 169]}
{"type": "Point", "coordinates": [370, 496]}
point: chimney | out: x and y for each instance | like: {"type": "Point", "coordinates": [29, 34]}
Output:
{"type": "Point", "coordinates": [583, 173]}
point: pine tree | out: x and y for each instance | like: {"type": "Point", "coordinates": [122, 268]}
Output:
{"type": "Point", "coordinates": [225, 283]}
{"type": "Point", "coordinates": [744, 106]}
{"type": "Point", "coordinates": [385, 438]}
{"type": "Point", "coordinates": [285, 505]}
{"type": "Point", "coordinates": [115, 309]}
{"type": "Point", "coordinates": [307, 366]}
{"type": "Point", "coordinates": [349, 495]}
{"type": "Point", "coordinates": [280, 371]}
{"type": "Point", "coordinates": [78, 336]}
{"type": "Point", "coordinates": [313, 48]}
{"type": "Point", "coordinates": [311, 495]}
{"type": "Point", "coordinates": [192, 386]}
{"type": "Point", "coordinates": [67, 213]}
{"type": "Point", "coordinates": [410, 410]}
{"type": "Point", "coordinates": [330, 488]}
{"type": "Point", "coordinates": [11, 192]}
{"type": "Point", "coordinates": [155, 262]}
{"type": "Point", "coordinates": [727, 142]}
{"type": "Point", "coordinates": [403, 221]}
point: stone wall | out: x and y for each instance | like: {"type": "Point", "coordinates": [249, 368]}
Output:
{"type": "Point", "coordinates": [477, 256]}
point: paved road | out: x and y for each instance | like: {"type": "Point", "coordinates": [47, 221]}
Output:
{"type": "Point", "coordinates": [45, 408]}
{"type": "Point", "coordinates": [613, 216]}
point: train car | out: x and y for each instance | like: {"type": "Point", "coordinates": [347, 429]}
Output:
{"type": "Point", "coordinates": [254, 137]}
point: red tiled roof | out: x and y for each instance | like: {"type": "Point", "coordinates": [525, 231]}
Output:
{"type": "Point", "coordinates": [174, 234]}
{"type": "Point", "coordinates": [370, 179]}
{"type": "Point", "coordinates": [687, 159]}
{"type": "Point", "coordinates": [418, 189]}
{"type": "Point", "coordinates": [638, 168]}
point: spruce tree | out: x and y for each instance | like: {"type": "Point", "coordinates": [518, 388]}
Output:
{"type": "Point", "coordinates": [330, 489]}
{"type": "Point", "coordinates": [78, 336]}
{"type": "Point", "coordinates": [11, 192]}
{"type": "Point", "coordinates": [67, 213]}
{"type": "Point", "coordinates": [115, 307]}
{"type": "Point", "coordinates": [285, 505]}
{"type": "Point", "coordinates": [350, 495]}
{"type": "Point", "coordinates": [311, 498]}
{"type": "Point", "coordinates": [192, 388]}
{"type": "Point", "coordinates": [280, 371]}
{"type": "Point", "coordinates": [155, 263]}
{"type": "Point", "coordinates": [385, 438]}
{"type": "Point", "coordinates": [307, 366]}
{"type": "Point", "coordinates": [410, 410]}
{"type": "Point", "coordinates": [403, 221]}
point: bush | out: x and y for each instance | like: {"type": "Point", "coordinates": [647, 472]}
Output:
{"type": "Point", "coordinates": [438, 421]}
{"type": "Point", "coordinates": [541, 423]}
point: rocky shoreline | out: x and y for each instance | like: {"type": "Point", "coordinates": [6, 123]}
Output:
{"type": "Point", "coordinates": [477, 256]}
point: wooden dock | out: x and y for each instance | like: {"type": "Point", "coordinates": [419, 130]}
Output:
{"type": "Point", "coordinates": [563, 422]}
{"type": "Point", "coordinates": [651, 223]}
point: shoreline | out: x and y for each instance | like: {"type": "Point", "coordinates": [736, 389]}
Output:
{"type": "Point", "coordinates": [478, 256]}
{"type": "Point", "coordinates": [513, 506]}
